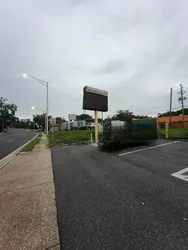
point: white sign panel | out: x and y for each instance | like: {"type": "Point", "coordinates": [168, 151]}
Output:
{"type": "Point", "coordinates": [72, 117]}
{"type": "Point", "coordinates": [96, 91]}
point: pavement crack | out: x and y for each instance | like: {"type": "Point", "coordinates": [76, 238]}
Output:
{"type": "Point", "coordinates": [48, 248]}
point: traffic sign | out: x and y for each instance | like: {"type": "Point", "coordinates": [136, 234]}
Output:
{"type": "Point", "coordinates": [53, 121]}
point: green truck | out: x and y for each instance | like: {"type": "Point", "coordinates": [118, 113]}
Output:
{"type": "Point", "coordinates": [116, 131]}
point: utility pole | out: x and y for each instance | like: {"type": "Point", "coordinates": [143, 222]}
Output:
{"type": "Point", "coordinates": [170, 106]}
{"type": "Point", "coordinates": [182, 98]}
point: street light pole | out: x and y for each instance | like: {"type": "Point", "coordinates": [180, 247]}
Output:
{"type": "Point", "coordinates": [46, 85]}
{"type": "Point", "coordinates": [47, 109]}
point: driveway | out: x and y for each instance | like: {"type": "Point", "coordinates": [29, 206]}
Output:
{"type": "Point", "coordinates": [125, 199]}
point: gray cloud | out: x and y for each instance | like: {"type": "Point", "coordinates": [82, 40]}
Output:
{"type": "Point", "coordinates": [135, 50]}
{"type": "Point", "coordinates": [180, 65]}
{"type": "Point", "coordinates": [111, 67]}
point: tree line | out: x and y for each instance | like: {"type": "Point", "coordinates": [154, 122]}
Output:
{"type": "Point", "coordinates": [8, 116]}
{"type": "Point", "coordinates": [120, 115]}
{"type": "Point", "coordinates": [126, 114]}
{"type": "Point", "coordinates": [173, 113]}
{"type": "Point", "coordinates": [7, 113]}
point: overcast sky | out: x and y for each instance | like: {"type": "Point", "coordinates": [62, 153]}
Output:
{"type": "Point", "coordinates": [136, 50]}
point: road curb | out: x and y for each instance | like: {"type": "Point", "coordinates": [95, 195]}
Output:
{"type": "Point", "coordinates": [70, 145]}
{"type": "Point", "coordinates": [11, 156]}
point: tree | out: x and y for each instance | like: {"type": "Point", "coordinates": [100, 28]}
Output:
{"type": "Point", "coordinates": [59, 120]}
{"type": "Point", "coordinates": [7, 112]}
{"type": "Point", "coordinates": [39, 120]}
{"type": "Point", "coordinates": [173, 113]}
{"type": "Point", "coordinates": [122, 115]}
{"type": "Point", "coordinates": [85, 117]}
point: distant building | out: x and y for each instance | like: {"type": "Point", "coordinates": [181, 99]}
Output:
{"type": "Point", "coordinates": [176, 121]}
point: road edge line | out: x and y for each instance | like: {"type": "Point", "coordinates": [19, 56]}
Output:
{"type": "Point", "coordinates": [11, 156]}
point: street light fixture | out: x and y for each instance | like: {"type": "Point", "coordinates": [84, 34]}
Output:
{"type": "Point", "coordinates": [46, 85]}
{"type": "Point", "coordinates": [42, 110]}
{"type": "Point", "coordinates": [33, 107]}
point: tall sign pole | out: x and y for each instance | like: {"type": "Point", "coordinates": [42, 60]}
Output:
{"type": "Point", "coordinates": [96, 127]}
{"type": "Point", "coordinates": [47, 106]}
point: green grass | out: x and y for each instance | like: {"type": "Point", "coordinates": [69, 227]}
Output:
{"type": "Point", "coordinates": [32, 144]}
{"type": "Point", "coordinates": [174, 133]}
{"type": "Point", "coordinates": [69, 137]}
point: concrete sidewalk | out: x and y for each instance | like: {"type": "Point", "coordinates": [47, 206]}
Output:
{"type": "Point", "coordinates": [27, 202]}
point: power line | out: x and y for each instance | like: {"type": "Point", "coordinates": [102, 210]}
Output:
{"type": "Point", "coordinates": [175, 91]}
{"type": "Point", "coordinates": [155, 107]}
{"type": "Point", "coordinates": [162, 110]}
{"type": "Point", "coordinates": [148, 100]}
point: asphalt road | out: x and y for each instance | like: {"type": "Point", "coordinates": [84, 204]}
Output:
{"type": "Point", "coordinates": [121, 201]}
{"type": "Point", "coordinates": [14, 139]}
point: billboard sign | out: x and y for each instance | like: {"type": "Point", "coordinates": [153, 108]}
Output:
{"type": "Point", "coordinates": [95, 99]}
{"type": "Point", "coordinates": [72, 117]}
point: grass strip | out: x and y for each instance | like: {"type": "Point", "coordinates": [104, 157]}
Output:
{"type": "Point", "coordinates": [30, 146]}
{"type": "Point", "coordinates": [174, 133]}
{"type": "Point", "coordinates": [69, 137]}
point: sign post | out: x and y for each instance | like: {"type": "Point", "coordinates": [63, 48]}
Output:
{"type": "Point", "coordinates": [91, 138]}
{"type": "Point", "coordinates": [166, 129]}
{"type": "Point", "coordinates": [96, 127]}
{"type": "Point", "coordinates": [53, 123]}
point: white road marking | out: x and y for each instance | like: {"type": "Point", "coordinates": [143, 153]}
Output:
{"type": "Point", "coordinates": [11, 140]}
{"type": "Point", "coordinates": [180, 174]}
{"type": "Point", "coordinates": [144, 149]}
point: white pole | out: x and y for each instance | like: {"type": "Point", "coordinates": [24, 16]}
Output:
{"type": "Point", "coordinates": [47, 110]}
